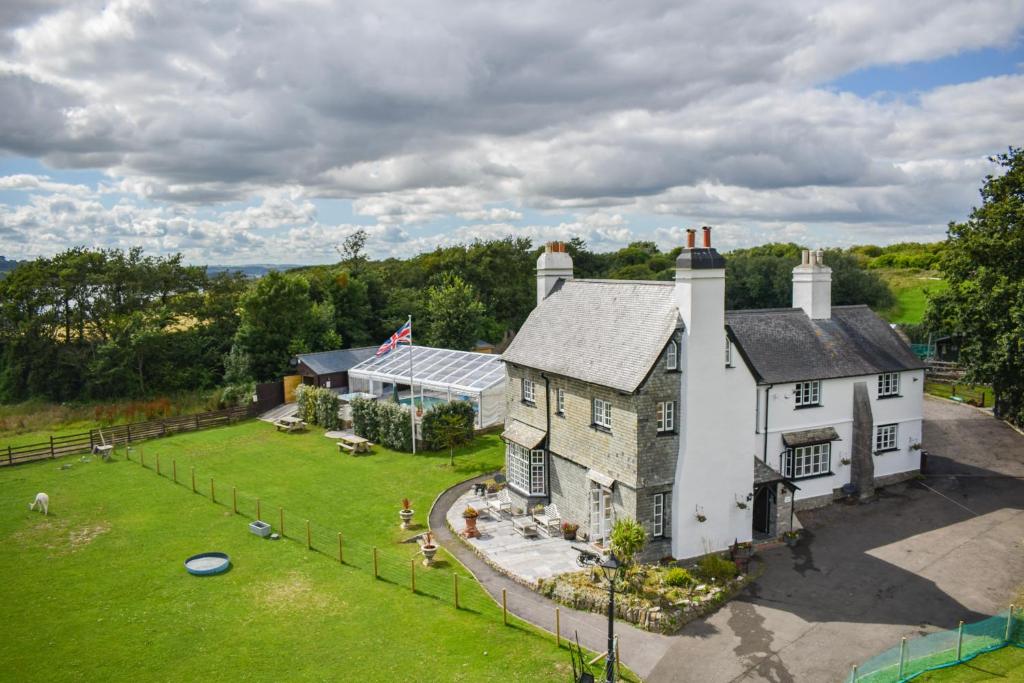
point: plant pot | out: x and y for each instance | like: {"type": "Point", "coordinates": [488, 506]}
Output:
{"type": "Point", "coordinates": [791, 541]}
{"type": "Point", "coordinates": [569, 535]}
{"type": "Point", "coordinates": [428, 554]}
{"type": "Point", "coordinates": [406, 516]}
{"type": "Point", "coordinates": [470, 530]}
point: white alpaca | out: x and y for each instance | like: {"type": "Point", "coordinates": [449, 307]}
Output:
{"type": "Point", "coordinates": [43, 501]}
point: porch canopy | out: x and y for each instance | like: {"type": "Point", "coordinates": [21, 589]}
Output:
{"type": "Point", "coordinates": [437, 375]}
{"type": "Point", "coordinates": [809, 437]}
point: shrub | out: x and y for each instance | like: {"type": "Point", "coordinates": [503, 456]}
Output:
{"type": "Point", "coordinates": [434, 425]}
{"type": "Point", "coordinates": [318, 405]}
{"type": "Point", "coordinates": [677, 577]}
{"type": "Point", "coordinates": [237, 394]}
{"type": "Point", "coordinates": [628, 539]}
{"type": "Point", "coordinates": [716, 568]}
{"type": "Point", "coordinates": [364, 419]}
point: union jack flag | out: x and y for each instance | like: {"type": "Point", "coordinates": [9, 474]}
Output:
{"type": "Point", "coordinates": [403, 336]}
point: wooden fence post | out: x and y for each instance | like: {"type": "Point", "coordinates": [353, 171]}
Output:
{"type": "Point", "coordinates": [174, 470]}
{"type": "Point", "coordinates": [1009, 625]}
{"type": "Point", "coordinates": [142, 456]}
{"type": "Point", "coordinates": [375, 562]}
{"type": "Point", "coordinates": [903, 654]}
{"type": "Point", "coordinates": [258, 509]}
{"type": "Point", "coordinates": [51, 448]}
{"type": "Point", "coordinates": [558, 627]}
{"type": "Point", "coordinates": [10, 458]}
{"type": "Point", "coordinates": [618, 660]}
{"type": "Point", "coordinates": [129, 428]}
{"type": "Point", "coordinates": [341, 550]}
{"type": "Point", "coordinates": [455, 582]}
{"type": "Point", "coordinates": [90, 443]}
{"type": "Point", "coordinates": [158, 464]}
{"type": "Point", "coordinates": [234, 500]}
{"type": "Point", "coordinates": [309, 537]}
{"type": "Point", "coordinates": [193, 480]}
{"type": "Point", "coordinates": [959, 639]}
{"type": "Point", "coordinates": [213, 495]}
{"type": "Point", "coordinates": [504, 606]}
{"type": "Point", "coordinates": [197, 420]}
{"type": "Point", "coordinates": [281, 510]}
{"type": "Point", "coordinates": [853, 674]}
{"type": "Point", "coordinates": [412, 566]}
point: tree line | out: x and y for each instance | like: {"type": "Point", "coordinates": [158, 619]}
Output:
{"type": "Point", "coordinates": [96, 324]}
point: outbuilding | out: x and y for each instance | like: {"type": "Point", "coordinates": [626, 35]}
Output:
{"type": "Point", "coordinates": [330, 368]}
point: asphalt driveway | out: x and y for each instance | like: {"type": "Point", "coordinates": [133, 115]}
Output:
{"type": "Point", "coordinates": [916, 560]}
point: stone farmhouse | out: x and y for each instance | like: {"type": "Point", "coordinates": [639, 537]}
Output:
{"type": "Point", "coordinates": [649, 400]}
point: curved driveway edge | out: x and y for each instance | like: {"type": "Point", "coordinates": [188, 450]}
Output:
{"type": "Point", "coordinates": [640, 650]}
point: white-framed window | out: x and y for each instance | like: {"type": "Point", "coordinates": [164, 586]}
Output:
{"type": "Point", "coordinates": [807, 461]}
{"type": "Point", "coordinates": [807, 393]}
{"type": "Point", "coordinates": [658, 515]}
{"type": "Point", "coordinates": [885, 438]}
{"type": "Point", "coordinates": [529, 396]}
{"type": "Point", "coordinates": [672, 356]}
{"type": "Point", "coordinates": [728, 353]}
{"type": "Point", "coordinates": [665, 412]}
{"type": "Point", "coordinates": [525, 468]}
{"type": "Point", "coordinates": [560, 401]}
{"type": "Point", "coordinates": [889, 384]}
{"type": "Point", "coordinates": [602, 413]}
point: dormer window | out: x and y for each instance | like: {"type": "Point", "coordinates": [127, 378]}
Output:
{"type": "Point", "coordinates": [672, 356]}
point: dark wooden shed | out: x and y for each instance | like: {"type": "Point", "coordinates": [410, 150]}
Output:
{"type": "Point", "coordinates": [330, 368]}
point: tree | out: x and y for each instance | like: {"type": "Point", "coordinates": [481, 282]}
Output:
{"type": "Point", "coordinates": [450, 433]}
{"type": "Point", "coordinates": [277, 314]}
{"type": "Point", "coordinates": [454, 314]}
{"type": "Point", "coordinates": [984, 265]}
{"type": "Point", "coordinates": [449, 425]}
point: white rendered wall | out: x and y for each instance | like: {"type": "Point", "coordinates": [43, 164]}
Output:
{"type": "Point", "coordinates": [717, 442]}
{"type": "Point", "coordinates": [836, 410]}
{"type": "Point", "coordinates": [812, 291]}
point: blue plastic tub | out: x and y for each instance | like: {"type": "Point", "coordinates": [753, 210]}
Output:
{"type": "Point", "coordinates": [205, 564]}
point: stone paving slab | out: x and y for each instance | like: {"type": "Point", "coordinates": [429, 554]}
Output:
{"type": "Point", "coordinates": [525, 559]}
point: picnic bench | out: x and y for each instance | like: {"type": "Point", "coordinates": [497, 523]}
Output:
{"type": "Point", "coordinates": [289, 424]}
{"type": "Point", "coordinates": [354, 444]}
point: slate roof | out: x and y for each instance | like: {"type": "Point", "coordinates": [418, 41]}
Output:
{"type": "Point", "coordinates": [764, 474]}
{"type": "Point", "coordinates": [784, 345]}
{"type": "Point", "coordinates": [340, 360]}
{"type": "Point", "coordinates": [523, 434]}
{"type": "Point", "coordinates": [810, 437]}
{"type": "Point", "coordinates": [606, 332]}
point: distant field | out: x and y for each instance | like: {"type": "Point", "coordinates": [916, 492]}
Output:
{"type": "Point", "coordinates": [980, 394]}
{"type": "Point", "coordinates": [909, 286]}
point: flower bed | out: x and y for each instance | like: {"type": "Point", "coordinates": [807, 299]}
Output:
{"type": "Point", "coordinates": [654, 597]}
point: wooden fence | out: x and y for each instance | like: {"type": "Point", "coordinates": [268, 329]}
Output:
{"type": "Point", "coordinates": [942, 371]}
{"type": "Point", "coordinates": [84, 442]}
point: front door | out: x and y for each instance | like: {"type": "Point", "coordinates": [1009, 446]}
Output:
{"type": "Point", "coordinates": [764, 510]}
{"type": "Point", "coordinates": [600, 514]}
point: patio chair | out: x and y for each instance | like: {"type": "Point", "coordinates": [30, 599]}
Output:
{"type": "Point", "coordinates": [499, 502]}
{"type": "Point", "coordinates": [550, 519]}
{"type": "Point", "coordinates": [102, 448]}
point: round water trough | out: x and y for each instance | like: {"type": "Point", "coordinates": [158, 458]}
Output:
{"type": "Point", "coordinates": [205, 564]}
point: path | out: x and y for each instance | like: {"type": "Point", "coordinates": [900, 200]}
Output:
{"type": "Point", "coordinates": [640, 650]}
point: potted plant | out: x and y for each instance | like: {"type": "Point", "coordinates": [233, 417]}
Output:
{"type": "Point", "coordinates": [429, 549]}
{"type": "Point", "coordinates": [569, 531]}
{"type": "Point", "coordinates": [699, 514]}
{"type": "Point", "coordinates": [470, 514]}
{"type": "Point", "coordinates": [791, 537]}
{"type": "Point", "coordinates": [406, 513]}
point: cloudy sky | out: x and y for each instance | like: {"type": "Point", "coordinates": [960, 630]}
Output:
{"type": "Point", "coordinates": [266, 131]}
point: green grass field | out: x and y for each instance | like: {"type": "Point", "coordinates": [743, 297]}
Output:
{"type": "Point", "coordinates": [909, 287]}
{"type": "Point", "coordinates": [1006, 664]}
{"type": "Point", "coordinates": [97, 590]}
{"type": "Point", "coordinates": [969, 392]}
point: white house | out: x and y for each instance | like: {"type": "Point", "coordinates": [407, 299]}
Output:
{"type": "Point", "coordinates": [649, 400]}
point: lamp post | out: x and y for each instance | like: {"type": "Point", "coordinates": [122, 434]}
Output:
{"type": "Point", "coordinates": [610, 569]}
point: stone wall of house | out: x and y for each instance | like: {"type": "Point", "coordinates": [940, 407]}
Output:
{"type": "Point", "coordinates": [570, 491]}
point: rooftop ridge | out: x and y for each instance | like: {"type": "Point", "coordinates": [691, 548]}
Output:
{"type": "Point", "coordinates": [605, 281]}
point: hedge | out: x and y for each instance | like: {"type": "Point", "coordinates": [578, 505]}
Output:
{"type": "Point", "coordinates": [382, 422]}
{"type": "Point", "coordinates": [318, 405]}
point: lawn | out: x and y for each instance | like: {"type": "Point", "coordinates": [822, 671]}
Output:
{"type": "Point", "coordinates": [977, 393]}
{"type": "Point", "coordinates": [1006, 664]}
{"type": "Point", "coordinates": [909, 286]}
{"type": "Point", "coordinates": [97, 590]}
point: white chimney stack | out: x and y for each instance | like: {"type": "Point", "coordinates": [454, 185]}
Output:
{"type": "Point", "coordinates": [812, 285]}
{"type": "Point", "coordinates": [553, 265]}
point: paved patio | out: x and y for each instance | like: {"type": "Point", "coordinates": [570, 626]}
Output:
{"type": "Point", "coordinates": [524, 559]}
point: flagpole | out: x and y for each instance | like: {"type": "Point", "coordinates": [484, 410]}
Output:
{"type": "Point", "coordinates": [412, 392]}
